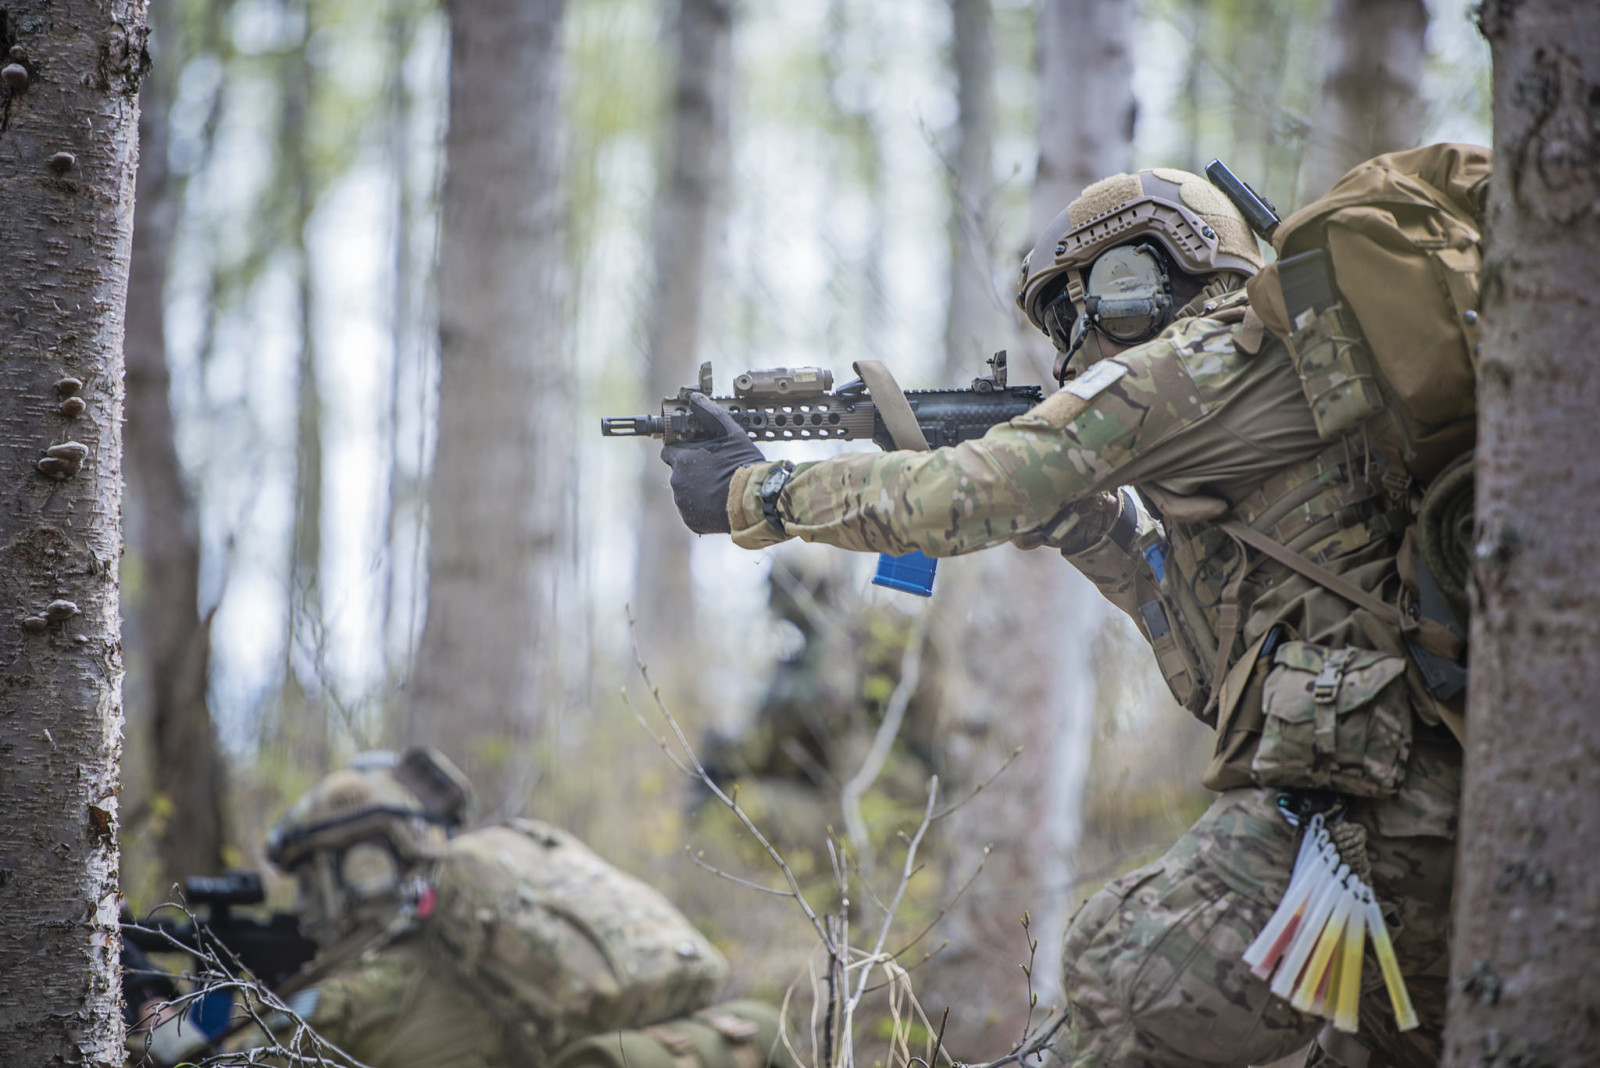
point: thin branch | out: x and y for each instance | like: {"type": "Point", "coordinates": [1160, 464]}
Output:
{"type": "Point", "coordinates": [943, 912]}
{"type": "Point", "coordinates": [732, 878]}
{"type": "Point", "coordinates": [894, 715]}
{"type": "Point", "coordinates": [978, 789]}
{"type": "Point", "coordinates": [717, 791]}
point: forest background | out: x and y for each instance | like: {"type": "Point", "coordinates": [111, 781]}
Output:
{"type": "Point", "coordinates": [756, 184]}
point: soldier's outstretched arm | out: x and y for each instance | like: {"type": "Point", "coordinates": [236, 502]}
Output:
{"type": "Point", "coordinates": [1018, 479]}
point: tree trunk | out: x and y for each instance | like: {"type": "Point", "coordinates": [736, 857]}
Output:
{"type": "Point", "coordinates": [302, 724]}
{"type": "Point", "coordinates": [1086, 104]}
{"type": "Point", "coordinates": [497, 495]}
{"type": "Point", "coordinates": [1032, 681]}
{"type": "Point", "coordinates": [974, 322]}
{"type": "Point", "coordinates": [70, 146]}
{"type": "Point", "coordinates": [695, 171]}
{"type": "Point", "coordinates": [168, 642]}
{"type": "Point", "coordinates": [1371, 100]}
{"type": "Point", "coordinates": [1522, 971]}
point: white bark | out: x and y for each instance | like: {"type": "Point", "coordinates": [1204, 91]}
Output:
{"type": "Point", "coordinates": [974, 323]}
{"type": "Point", "coordinates": [498, 499]}
{"type": "Point", "coordinates": [1086, 103]}
{"type": "Point", "coordinates": [1086, 118]}
{"type": "Point", "coordinates": [694, 176]}
{"type": "Point", "coordinates": [70, 149]}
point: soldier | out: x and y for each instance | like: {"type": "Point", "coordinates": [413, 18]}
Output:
{"type": "Point", "coordinates": [502, 946]}
{"type": "Point", "coordinates": [1181, 444]}
{"type": "Point", "coordinates": [824, 702]}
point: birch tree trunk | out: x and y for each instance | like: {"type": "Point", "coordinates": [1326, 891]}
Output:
{"type": "Point", "coordinates": [497, 494]}
{"type": "Point", "coordinates": [1026, 622]}
{"type": "Point", "coordinates": [68, 126]}
{"type": "Point", "coordinates": [167, 641]}
{"type": "Point", "coordinates": [1371, 100]}
{"type": "Point", "coordinates": [974, 321]}
{"type": "Point", "coordinates": [1085, 128]}
{"type": "Point", "coordinates": [695, 172]}
{"type": "Point", "coordinates": [1523, 989]}
{"type": "Point", "coordinates": [1086, 104]}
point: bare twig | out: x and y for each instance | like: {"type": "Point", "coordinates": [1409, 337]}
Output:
{"type": "Point", "coordinates": [978, 789]}
{"type": "Point", "coordinates": [945, 910]}
{"type": "Point", "coordinates": [894, 715]}
{"type": "Point", "coordinates": [699, 772]}
{"type": "Point", "coordinates": [700, 862]}
{"type": "Point", "coordinates": [285, 1035]}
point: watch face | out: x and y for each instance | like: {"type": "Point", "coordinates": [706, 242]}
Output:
{"type": "Point", "coordinates": [774, 482]}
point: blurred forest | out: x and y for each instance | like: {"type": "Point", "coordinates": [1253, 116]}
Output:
{"type": "Point", "coordinates": [381, 295]}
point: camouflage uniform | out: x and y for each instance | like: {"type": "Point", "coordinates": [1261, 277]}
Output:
{"type": "Point", "coordinates": [492, 948]}
{"type": "Point", "coordinates": [1209, 422]}
{"type": "Point", "coordinates": [398, 1007]}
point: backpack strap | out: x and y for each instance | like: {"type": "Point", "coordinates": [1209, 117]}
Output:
{"type": "Point", "coordinates": [1432, 636]}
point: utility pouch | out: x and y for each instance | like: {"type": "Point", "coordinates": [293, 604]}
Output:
{"type": "Point", "coordinates": [1329, 353]}
{"type": "Point", "coordinates": [1172, 642]}
{"type": "Point", "coordinates": [1335, 719]}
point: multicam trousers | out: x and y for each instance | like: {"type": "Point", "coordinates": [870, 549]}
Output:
{"type": "Point", "coordinates": [1152, 963]}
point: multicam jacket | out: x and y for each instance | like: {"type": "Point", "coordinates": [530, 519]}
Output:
{"type": "Point", "coordinates": [1210, 424]}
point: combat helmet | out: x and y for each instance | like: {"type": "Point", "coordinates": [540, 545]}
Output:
{"type": "Point", "coordinates": [1178, 232]}
{"type": "Point", "coordinates": [358, 841]}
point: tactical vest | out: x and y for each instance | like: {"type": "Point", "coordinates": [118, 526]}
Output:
{"type": "Point", "coordinates": [1198, 581]}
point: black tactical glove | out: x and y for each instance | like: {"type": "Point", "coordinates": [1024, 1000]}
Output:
{"type": "Point", "coordinates": [702, 470]}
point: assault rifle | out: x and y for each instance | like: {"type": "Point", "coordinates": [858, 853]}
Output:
{"type": "Point", "coordinates": [800, 404]}
{"type": "Point", "coordinates": [271, 949]}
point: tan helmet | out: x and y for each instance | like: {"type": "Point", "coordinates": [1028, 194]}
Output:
{"type": "Point", "coordinates": [356, 838]}
{"type": "Point", "coordinates": [1193, 220]}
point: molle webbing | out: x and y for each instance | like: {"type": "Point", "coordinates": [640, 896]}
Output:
{"type": "Point", "coordinates": [1323, 508]}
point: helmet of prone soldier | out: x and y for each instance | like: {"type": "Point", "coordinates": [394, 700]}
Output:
{"type": "Point", "coordinates": [361, 842]}
{"type": "Point", "coordinates": [1128, 254]}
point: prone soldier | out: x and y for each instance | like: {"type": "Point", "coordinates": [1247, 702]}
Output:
{"type": "Point", "coordinates": [509, 945]}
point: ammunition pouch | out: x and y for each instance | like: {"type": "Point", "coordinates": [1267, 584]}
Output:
{"type": "Point", "coordinates": [1170, 625]}
{"type": "Point", "coordinates": [1334, 719]}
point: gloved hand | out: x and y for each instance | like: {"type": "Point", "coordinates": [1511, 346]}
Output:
{"type": "Point", "coordinates": [702, 470]}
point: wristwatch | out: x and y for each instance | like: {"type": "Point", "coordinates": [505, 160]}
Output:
{"type": "Point", "coordinates": [771, 486]}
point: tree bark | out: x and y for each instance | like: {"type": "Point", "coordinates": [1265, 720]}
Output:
{"type": "Point", "coordinates": [1371, 100]}
{"type": "Point", "coordinates": [973, 322]}
{"type": "Point", "coordinates": [1086, 103]}
{"type": "Point", "coordinates": [695, 174]}
{"type": "Point", "coordinates": [1032, 681]}
{"type": "Point", "coordinates": [69, 138]}
{"type": "Point", "coordinates": [168, 642]}
{"type": "Point", "coordinates": [498, 497]}
{"type": "Point", "coordinates": [1523, 989]}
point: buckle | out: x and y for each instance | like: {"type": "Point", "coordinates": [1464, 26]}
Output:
{"type": "Point", "coordinates": [1326, 686]}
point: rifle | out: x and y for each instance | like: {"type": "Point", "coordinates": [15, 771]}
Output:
{"type": "Point", "coordinates": [800, 404]}
{"type": "Point", "coordinates": [271, 949]}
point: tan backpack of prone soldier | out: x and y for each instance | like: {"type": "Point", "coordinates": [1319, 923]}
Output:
{"type": "Point", "coordinates": [561, 944]}
{"type": "Point", "coordinates": [1376, 292]}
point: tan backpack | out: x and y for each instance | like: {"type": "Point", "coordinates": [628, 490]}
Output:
{"type": "Point", "coordinates": [1376, 292]}
{"type": "Point", "coordinates": [561, 944]}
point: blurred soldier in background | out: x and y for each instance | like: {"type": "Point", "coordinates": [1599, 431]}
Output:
{"type": "Point", "coordinates": [825, 702]}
